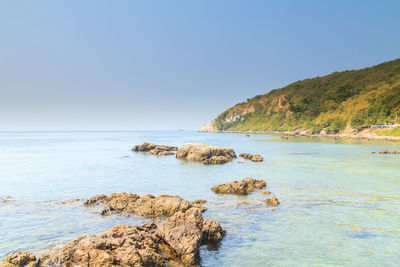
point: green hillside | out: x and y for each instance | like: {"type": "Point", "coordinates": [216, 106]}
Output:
{"type": "Point", "coordinates": [338, 101]}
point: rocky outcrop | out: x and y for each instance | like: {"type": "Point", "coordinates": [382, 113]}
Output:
{"type": "Point", "coordinates": [177, 238]}
{"type": "Point", "coordinates": [242, 187]}
{"type": "Point", "coordinates": [209, 127]}
{"type": "Point", "coordinates": [20, 259]}
{"type": "Point", "coordinates": [212, 231]}
{"type": "Point", "coordinates": [186, 231]}
{"type": "Point", "coordinates": [208, 154]}
{"type": "Point", "coordinates": [121, 245]}
{"type": "Point", "coordinates": [153, 149]}
{"type": "Point", "coordinates": [273, 201]}
{"type": "Point", "coordinates": [147, 206]}
{"type": "Point", "coordinates": [255, 158]}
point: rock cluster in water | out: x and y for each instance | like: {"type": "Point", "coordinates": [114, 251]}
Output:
{"type": "Point", "coordinates": [255, 158]}
{"type": "Point", "coordinates": [153, 244]}
{"type": "Point", "coordinates": [208, 154]}
{"type": "Point", "coordinates": [243, 187]}
{"type": "Point", "coordinates": [160, 150]}
{"type": "Point", "coordinates": [272, 201]}
{"type": "Point", "coordinates": [176, 238]}
{"type": "Point", "coordinates": [148, 206]}
{"type": "Point", "coordinates": [5, 198]}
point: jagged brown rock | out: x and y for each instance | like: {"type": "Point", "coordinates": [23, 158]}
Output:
{"type": "Point", "coordinates": [255, 158]}
{"type": "Point", "coordinates": [20, 259]}
{"type": "Point", "coordinates": [208, 154]}
{"type": "Point", "coordinates": [242, 187]}
{"type": "Point", "coordinates": [147, 206]}
{"type": "Point", "coordinates": [273, 201]}
{"type": "Point", "coordinates": [212, 231]}
{"type": "Point", "coordinates": [153, 149]}
{"type": "Point", "coordinates": [177, 238]}
{"type": "Point", "coordinates": [121, 245]}
{"type": "Point", "coordinates": [186, 231]}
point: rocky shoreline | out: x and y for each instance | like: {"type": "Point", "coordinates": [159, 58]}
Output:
{"type": "Point", "coordinates": [175, 231]}
{"type": "Point", "coordinates": [298, 134]}
{"type": "Point", "coordinates": [178, 238]}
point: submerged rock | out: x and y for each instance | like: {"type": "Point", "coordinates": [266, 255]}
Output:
{"type": "Point", "coordinates": [69, 201]}
{"type": "Point", "coordinates": [198, 203]}
{"type": "Point", "coordinates": [242, 187]}
{"type": "Point", "coordinates": [208, 154]}
{"type": "Point", "coordinates": [153, 149]}
{"type": "Point", "coordinates": [148, 206]}
{"type": "Point", "coordinates": [255, 158]}
{"type": "Point", "coordinates": [273, 201]}
{"type": "Point", "coordinates": [265, 192]}
{"type": "Point", "coordinates": [20, 259]}
{"type": "Point", "coordinates": [177, 238]}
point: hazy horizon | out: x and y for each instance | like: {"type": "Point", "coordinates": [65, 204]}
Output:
{"type": "Point", "coordinates": [153, 65]}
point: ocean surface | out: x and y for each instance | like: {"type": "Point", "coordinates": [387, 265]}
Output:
{"type": "Point", "coordinates": [340, 204]}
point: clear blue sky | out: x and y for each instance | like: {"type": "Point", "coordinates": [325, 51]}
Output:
{"type": "Point", "coordinates": [173, 64]}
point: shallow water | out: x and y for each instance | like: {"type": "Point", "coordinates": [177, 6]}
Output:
{"type": "Point", "coordinates": [340, 204]}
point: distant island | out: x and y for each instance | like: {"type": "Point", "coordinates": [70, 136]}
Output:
{"type": "Point", "coordinates": [356, 102]}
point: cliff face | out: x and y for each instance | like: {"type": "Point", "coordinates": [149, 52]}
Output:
{"type": "Point", "coordinates": [341, 100]}
{"type": "Point", "coordinates": [209, 127]}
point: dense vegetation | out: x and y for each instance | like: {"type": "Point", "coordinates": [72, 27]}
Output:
{"type": "Point", "coordinates": [341, 100]}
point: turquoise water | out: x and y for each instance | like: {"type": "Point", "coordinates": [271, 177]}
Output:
{"type": "Point", "coordinates": [340, 204]}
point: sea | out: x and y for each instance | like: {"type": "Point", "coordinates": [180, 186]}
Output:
{"type": "Point", "coordinates": [339, 202]}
